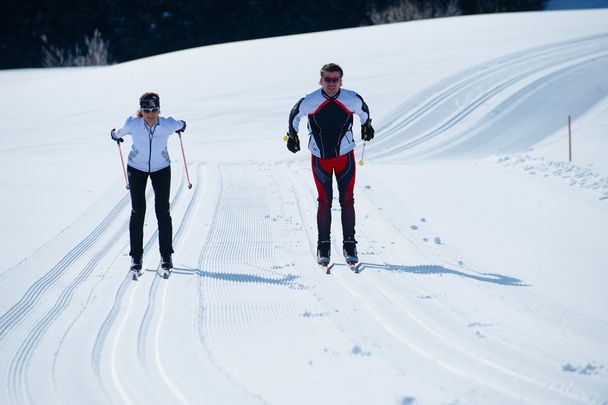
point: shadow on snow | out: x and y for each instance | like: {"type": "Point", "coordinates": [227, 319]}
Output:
{"type": "Point", "coordinates": [288, 279]}
{"type": "Point", "coordinates": [440, 270]}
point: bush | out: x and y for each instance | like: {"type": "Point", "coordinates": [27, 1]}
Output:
{"type": "Point", "coordinates": [95, 53]}
{"type": "Point", "coordinates": [407, 10]}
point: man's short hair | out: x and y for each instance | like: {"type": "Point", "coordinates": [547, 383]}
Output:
{"type": "Point", "coordinates": [332, 67]}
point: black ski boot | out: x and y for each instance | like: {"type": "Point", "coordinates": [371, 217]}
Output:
{"type": "Point", "coordinates": [136, 263]}
{"type": "Point", "coordinates": [166, 264]}
{"type": "Point", "coordinates": [136, 268]}
{"type": "Point", "coordinates": [323, 252]}
{"type": "Point", "coordinates": [350, 252]}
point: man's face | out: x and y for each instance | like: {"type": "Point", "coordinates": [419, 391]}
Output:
{"type": "Point", "coordinates": [331, 83]}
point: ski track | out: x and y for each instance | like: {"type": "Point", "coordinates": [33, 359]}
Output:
{"type": "Point", "coordinates": [520, 345]}
{"type": "Point", "coordinates": [440, 108]}
{"type": "Point", "coordinates": [11, 322]}
{"type": "Point", "coordinates": [123, 307]}
{"type": "Point", "coordinates": [240, 262]}
{"type": "Point", "coordinates": [239, 253]}
{"type": "Point", "coordinates": [11, 318]}
{"type": "Point", "coordinates": [438, 344]}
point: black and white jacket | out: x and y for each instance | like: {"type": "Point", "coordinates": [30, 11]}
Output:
{"type": "Point", "coordinates": [330, 121]}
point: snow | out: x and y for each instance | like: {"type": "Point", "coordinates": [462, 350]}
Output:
{"type": "Point", "coordinates": [482, 247]}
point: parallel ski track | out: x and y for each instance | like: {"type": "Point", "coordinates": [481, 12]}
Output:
{"type": "Point", "coordinates": [144, 337]}
{"type": "Point", "coordinates": [393, 327]}
{"type": "Point", "coordinates": [500, 76]}
{"type": "Point", "coordinates": [19, 390]}
{"type": "Point", "coordinates": [437, 93]}
{"type": "Point", "coordinates": [10, 320]}
{"type": "Point", "coordinates": [126, 292]}
{"type": "Point", "coordinates": [450, 340]}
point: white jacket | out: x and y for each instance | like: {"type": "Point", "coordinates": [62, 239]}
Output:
{"type": "Point", "coordinates": [149, 150]}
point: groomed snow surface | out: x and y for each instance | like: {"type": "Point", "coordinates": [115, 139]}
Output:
{"type": "Point", "coordinates": [483, 250]}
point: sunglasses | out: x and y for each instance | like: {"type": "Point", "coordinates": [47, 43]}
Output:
{"type": "Point", "coordinates": [331, 79]}
{"type": "Point", "coordinates": [150, 110]}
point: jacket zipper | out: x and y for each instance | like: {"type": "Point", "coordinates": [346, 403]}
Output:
{"type": "Point", "coordinates": [150, 136]}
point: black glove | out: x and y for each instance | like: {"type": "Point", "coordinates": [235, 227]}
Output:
{"type": "Point", "coordinates": [179, 131]}
{"type": "Point", "coordinates": [367, 131]}
{"type": "Point", "coordinates": [119, 140]}
{"type": "Point", "coordinates": [293, 142]}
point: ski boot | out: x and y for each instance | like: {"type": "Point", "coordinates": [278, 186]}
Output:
{"type": "Point", "coordinates": [167, 265]}
{"type": "Point", "coordinates": [136, 268]}
{"type": "Point", "coordinates": [350, 254]}
{"type": "Point", "coordinates": [323, 254]}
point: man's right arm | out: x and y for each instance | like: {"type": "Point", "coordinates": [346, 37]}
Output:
{"type": "Point", "coordinates": [294, 118]}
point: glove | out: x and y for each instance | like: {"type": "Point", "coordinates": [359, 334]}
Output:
{"type": "Point", "coordinates": [293, 142]}
{"type": "Point", "coordinates": [119, 140]}
{"type": "Point", "coordinates": [367, 131]}
{"type": "Point", "coordinates": [179, 131]}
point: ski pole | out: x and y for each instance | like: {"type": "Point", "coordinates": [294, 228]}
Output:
{"type": "Point", "coordinates": [362, 154]}
{"type": "Point", "coordinates": [184, 156]}
{"type": "Point", "coordinates": [122, 163]}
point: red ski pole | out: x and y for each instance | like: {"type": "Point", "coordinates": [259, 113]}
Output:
{"type": "Point", "coordinates": [184, 156]}
{"type": "Point", "coordinates": [122, 163]}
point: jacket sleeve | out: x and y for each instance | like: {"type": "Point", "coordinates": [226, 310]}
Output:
{"type": "Point", "coordinates": [126, 128]}
{"type": "Point", "coordinates": [362, 110]}
{"type": "Point", "coordinates": [294, 117]}
{"type": "Point", "coordinates": [173, 124]}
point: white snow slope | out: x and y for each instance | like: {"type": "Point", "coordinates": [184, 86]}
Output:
{"type": "Point", "coordinates": [483, 250]}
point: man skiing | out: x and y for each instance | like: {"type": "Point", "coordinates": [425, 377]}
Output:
{"type": "Point", "coordinates": [330, 112]}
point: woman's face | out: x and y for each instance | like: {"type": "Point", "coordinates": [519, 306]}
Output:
{"type": "Point", "coordinates": [150, 114]}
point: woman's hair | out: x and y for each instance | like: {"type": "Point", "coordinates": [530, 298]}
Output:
{"type": "Point", "coordinates": [146, 97]}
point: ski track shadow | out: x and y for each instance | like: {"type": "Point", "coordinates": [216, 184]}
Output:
{"type": "Point", "coordinates": [440, 270]}
{"type": "Point", "coordinates": [288, 279]}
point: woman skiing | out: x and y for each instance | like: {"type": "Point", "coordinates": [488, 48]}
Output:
{"type": "Point", "coordinates": [149, 158]}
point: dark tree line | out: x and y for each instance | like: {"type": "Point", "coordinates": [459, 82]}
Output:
{"type": "Point", "coordinates": [32, 30]}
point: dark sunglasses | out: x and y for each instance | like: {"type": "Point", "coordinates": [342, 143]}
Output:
{"type": "Point", "coordinates": [331, 79]}
{"type": "Point", "coordinates": [150, 110]}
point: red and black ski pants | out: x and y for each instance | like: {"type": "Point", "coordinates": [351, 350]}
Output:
{"type": "Point", "coordinates": [344, 169]}
{"type": "Point", "coordinates": [161, 183]}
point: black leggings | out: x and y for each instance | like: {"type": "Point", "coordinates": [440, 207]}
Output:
{"type": "Point", "coordinates": [161, 183]}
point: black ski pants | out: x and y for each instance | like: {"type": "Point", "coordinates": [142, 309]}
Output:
{"type": "Point", "coordinates": [161, 183]}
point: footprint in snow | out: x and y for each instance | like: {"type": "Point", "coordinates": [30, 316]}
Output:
{"type": "Point", "coordinates": [589, 369]}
